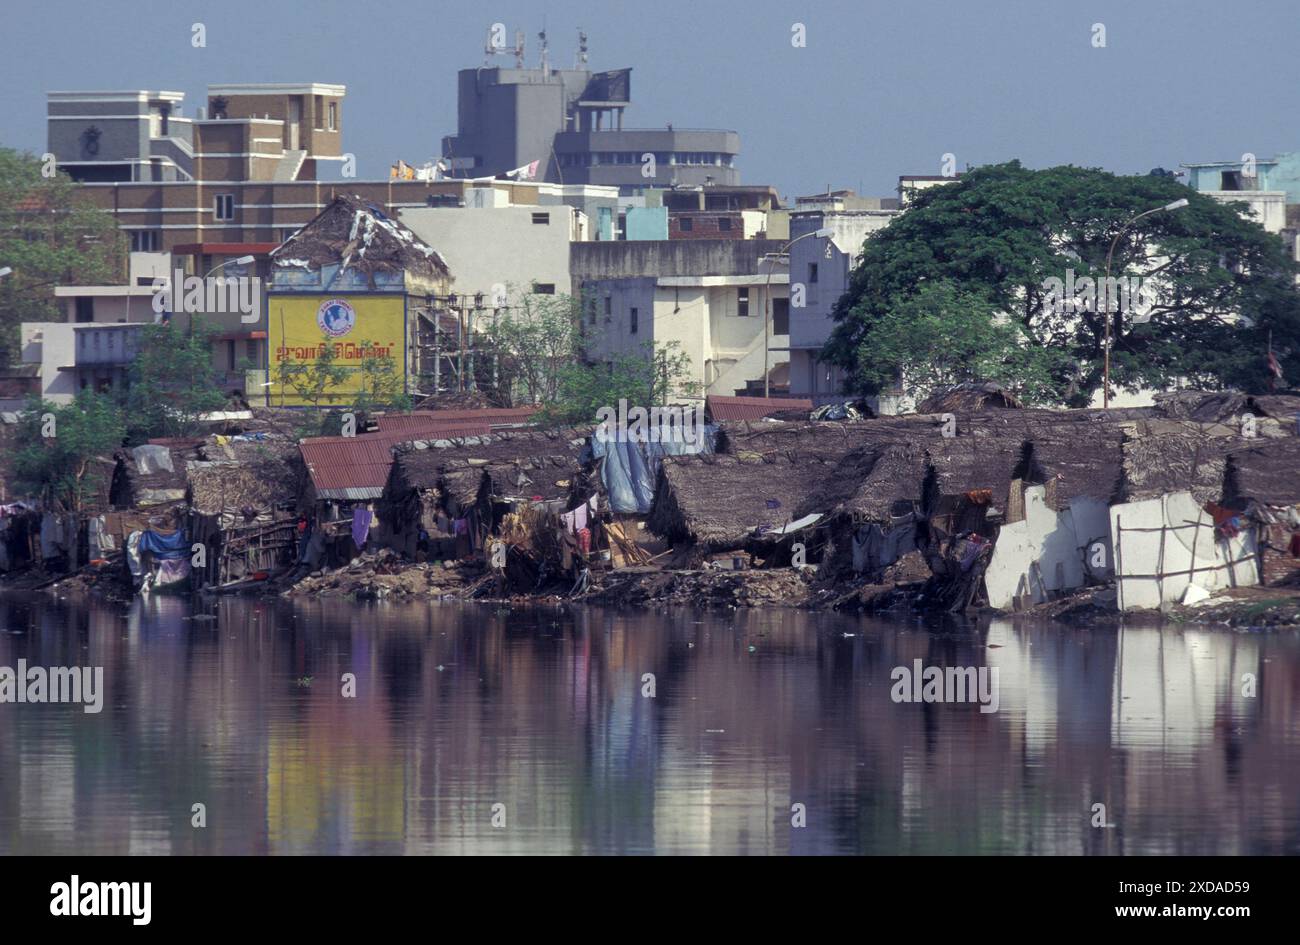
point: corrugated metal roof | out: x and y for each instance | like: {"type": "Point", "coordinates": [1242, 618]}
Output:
{"type": "Point", "coordinates": [752, 408]}
{"type": "Point", "coordinates": [356, 467]}
{"type": "Point", "coordinates": [494, 415]}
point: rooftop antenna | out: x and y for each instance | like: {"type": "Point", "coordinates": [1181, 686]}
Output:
{"type": "Point", "coordinates": [581, 59]}
{"type": "Point", "coordinates": [519, 49]}
{"type": "Point", "coordinates": [545, 48]}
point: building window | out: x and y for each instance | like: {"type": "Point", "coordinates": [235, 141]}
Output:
{"type": "Point", "coordinates": [633, 320]}
{"type": "Point", "coordinates": [334, 116]}
{"type": "Point", "coordinates": [609, 307]}
{"type": "Point", "coordinates": [145, 241]}
{"type": "Point", "coordinates": [724, 224]}
{"type": "Point", "coordinates": [250, 351]}
{"type": "Point", "coordinates": [686, 224]}
{"type": "Point", "coordinates": [542, 219]}
{"type": "Point", "coordinates": [780, 316]}
{"type": "Point", "coordinates": [742, 303]}
{"type": "Point", "coordinates": [224, 206]}
{"type": "Point", "coordinates": [230, 354]}
{"type": "Point", "coordinates": [85, 308]}
{"type": "Point", "coordinates": [812, 272]}
{"type": "Point", "coordinates": [543, 288]}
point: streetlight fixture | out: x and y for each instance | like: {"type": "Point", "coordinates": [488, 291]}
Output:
{"type": "Point", "coordinates": [241, 261]}
{"type": "Point", "coordinates": [1176, 205]}
{"type": "Point", "coordinates": [825, 232]}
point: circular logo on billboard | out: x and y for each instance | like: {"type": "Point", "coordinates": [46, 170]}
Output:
{"type": "Point", "coordinates": [336, 317]}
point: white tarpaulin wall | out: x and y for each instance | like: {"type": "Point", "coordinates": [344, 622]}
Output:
{"type": "Point", "coordinates": [1163, 545]}
{"type": "Point", "coordinates": [1047, 552]}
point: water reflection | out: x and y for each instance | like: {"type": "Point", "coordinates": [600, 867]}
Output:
{"type": "Point", "coordinates": [460, 708]}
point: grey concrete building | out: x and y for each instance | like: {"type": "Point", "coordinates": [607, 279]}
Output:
{"type": "Point", "coordinates": [571, 122]}
{"type": "Point", "coordinates": [133, 135]}
{"type": "Point", "coordinates": [819, 275]}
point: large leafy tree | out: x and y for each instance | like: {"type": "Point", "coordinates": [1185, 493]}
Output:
{"type": "Point", "coordinates": [977, 254]}
{"type": "Point", "coordinates": [49, 235]}
{"type": "Point", "coordinates": [61, 442]}
{"type": "Point", "coordinates": [173, 382]}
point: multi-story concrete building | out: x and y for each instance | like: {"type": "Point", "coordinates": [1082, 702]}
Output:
{"type": "Point", "coordinates": [711, 297]}
{"type": "Point", "coordinates": [246, 171]}
{"type": "Point", "coordinates": [819, 275]}
{"type": "Point", "coordinates": [571, 122]}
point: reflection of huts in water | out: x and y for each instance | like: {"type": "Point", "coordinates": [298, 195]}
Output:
{"type": "Point", "coordinates": [713, 503]}
{"type": "Point", "coordinates": [243, 500]}
{"type": "Point", "coordinates": [445, 499]}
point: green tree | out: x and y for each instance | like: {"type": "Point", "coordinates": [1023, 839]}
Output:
{"type": "Point", "coordinates": [940, 336]}
{"type": "Point", "coordinates": [50, 234]}
{"type": "Point", "coordinates": [173, 382]}
{"type": "Point", "coordinates": [59, 444]}
{"type": "Point", "coordinates": [380, 384]}
{"type": "Point", "coordinates": [656, 375]}
{"type": "Point", "coordinates": [317, 381]}
{"type": "Point", "coordinates": [534, 342]}
{"type": "Point", "coordinates": [1003, 231]}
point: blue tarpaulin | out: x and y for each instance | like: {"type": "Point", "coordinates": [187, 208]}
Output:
{"type": "Point", "coordinates": [165, 546]}
{"type": "Point", "coordinates": [631, 467]}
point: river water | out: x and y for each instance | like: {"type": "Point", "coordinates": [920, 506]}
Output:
{"type": "Point", "coordinates": [484, 729]}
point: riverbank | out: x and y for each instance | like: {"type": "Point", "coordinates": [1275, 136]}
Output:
{"type": "Point", "coordinates": [385, 575]}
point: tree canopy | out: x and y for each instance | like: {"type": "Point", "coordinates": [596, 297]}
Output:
{"type": "Point", "coordinates": [958, 288]}
{"type": "Point", "coordinates": [49, 235]}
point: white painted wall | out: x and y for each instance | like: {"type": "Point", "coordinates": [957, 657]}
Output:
{"type": "Point", "coordinates": [486, 246]}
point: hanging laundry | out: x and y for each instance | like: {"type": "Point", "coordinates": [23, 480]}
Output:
{"type": "Point", "coordinates": [584, 540]}
{"type": "Point", "coordinates": [361, 526]}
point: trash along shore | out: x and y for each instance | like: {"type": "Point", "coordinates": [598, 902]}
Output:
{"type": "Point", "coordinates": [1188, 510]}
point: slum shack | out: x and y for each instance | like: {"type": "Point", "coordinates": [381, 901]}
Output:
{"type": "Point", "coordinates": [732, 508]}
{"type": "Point", "coordinates": [1262, 483]}
{"type": "Point", "coordinates": [531, 490]}
{"type": "Point", "coordinates": [970, 397]}
{"type": "Point", "coordinates": [243, 509]}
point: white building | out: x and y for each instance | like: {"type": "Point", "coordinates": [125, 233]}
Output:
{"type": "Point", "coordinates": [716, 320]}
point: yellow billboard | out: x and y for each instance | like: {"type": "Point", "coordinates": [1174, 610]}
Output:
{"type": "Point", "coordinates": [299, 327]}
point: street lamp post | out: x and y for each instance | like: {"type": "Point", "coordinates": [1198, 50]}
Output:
{"type": "Point", "coordinates": [825, 232]}
{"type": "Point", "coordinates": [1176, 205]}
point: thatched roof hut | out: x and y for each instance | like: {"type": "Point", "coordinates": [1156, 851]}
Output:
{"type": "Point", "coordinates": [970, 397]}
{"type": "Point", "coordinates": [520, 464]}
{"type": "Point", "coordinates": [358, 238]}
{"type": "Point", "coordinates": [153, 475]}
{"type": "Point", "coordinates": [1172, 456]}
{"type": "Point", "coordinates": [241, 482]}
{"type": "Point", "coordinates": [1228, 406]}
{"type": "Point", "coordinates": [1268, 473]}
{"type": "Point", "coordinates": [719, 502]}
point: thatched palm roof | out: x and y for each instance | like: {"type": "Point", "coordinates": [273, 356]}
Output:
{"type": "Point", "coordinates": [1267, 472]}
{"type": "Point", "coordinates": [243, 475]}
{"type": "Point", "coordinates": [521, 463]}
{"type": "Point", "coordinates": [356, 235]}
{"type": "Point", "coordinates": [1172, 456]}
{"type": "Point", "coordinates": [1227, 406]}
{"type": "Point", "coordinates": [970, 396]}
{"type": "Point", "coordinates": [718, 501]}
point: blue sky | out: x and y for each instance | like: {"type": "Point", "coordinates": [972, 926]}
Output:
{"type": "Point", "coordinates": [881, 89]}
